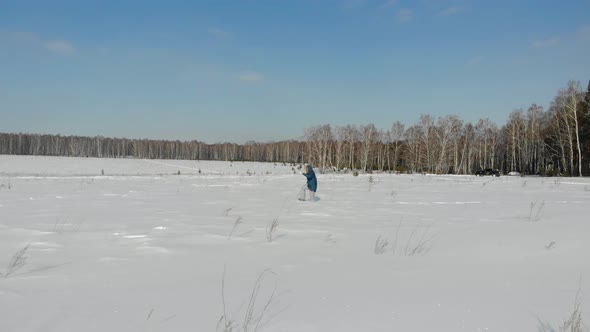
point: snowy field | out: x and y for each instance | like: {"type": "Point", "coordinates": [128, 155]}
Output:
{"type": "Point", "coordinates": [142, 248]}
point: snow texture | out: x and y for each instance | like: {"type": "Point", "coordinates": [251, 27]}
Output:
{"type": "Point", "coordinates": [142, 248]}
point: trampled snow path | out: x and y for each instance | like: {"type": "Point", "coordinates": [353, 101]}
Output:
{"type": "Point", "coordinates": [142, 249]}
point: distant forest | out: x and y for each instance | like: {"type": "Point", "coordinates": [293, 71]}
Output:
{"type": "Point", "coordinates": [533, 141]}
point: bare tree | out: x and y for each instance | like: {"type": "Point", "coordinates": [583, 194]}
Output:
{"type": "Point", "coordinates": [319, 139]}
{"type": "Point", "coordinates": [412, 136]}
{"type": "Point", "coordinates": [571, 98]}
{"type": "Point", "coordinates": [515, 133]}
{"type": "Point", "coordinates": [426, 128]}
{"type": "Point", "coordinates": [369, 135]}
{"type": "Point", "coordinates": [446, 132]}
{"type": "Point", "coordinates": [352, 136]}
{"type": "Point", "coordinates": [339, 146]}
{"type": "Point", "coordinates": [397, 139]}
{"type": "Point", "coordinates": [382, 149]}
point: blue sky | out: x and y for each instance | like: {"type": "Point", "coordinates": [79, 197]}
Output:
{"type": "Point", "coordinates": [264, 70]}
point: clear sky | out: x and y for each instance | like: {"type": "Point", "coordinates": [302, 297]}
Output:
{"type": "Point", "coordinates": [264, 70]}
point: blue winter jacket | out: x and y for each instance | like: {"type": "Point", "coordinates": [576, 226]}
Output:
{"type": "Point", "coordinates": [312, 181]}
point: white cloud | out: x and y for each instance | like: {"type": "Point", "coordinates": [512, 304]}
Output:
{"type": "Point", "coordinates": [220, 33]}
{"type": "Point", "coordinates": [60, 47]}
{"type": "Point", "coordinates": [449, 11]}
{"type": "Point", "coordinates": [404, 15]}
{"type": "Point", "coordinates": [545, 43]}
{"type": "Point", "coordinates": [24, 36]}
{"type": "Point", "coordinates": [353, 4]}
{"type": "Point", "coordinates": [56, 46]}
{"type": "Point", "coordinates": [475, 61]}
{"type": "Point", "coordinates": [251, 76]}
{"type": "Point", "coordinates": [584, 32]}
{"type": "Point", "coordinates": [389, 3]}
{"type": "Point", "coordinates": [521, 61]}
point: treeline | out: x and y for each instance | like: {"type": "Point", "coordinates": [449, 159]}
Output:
{"type": "Point", "coordinates": [533, 141]}
{"type": "Point", "coordinates": [105, 147]}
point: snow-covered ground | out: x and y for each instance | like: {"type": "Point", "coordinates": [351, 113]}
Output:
{"type": "Point", "coordinates": [142, 248]}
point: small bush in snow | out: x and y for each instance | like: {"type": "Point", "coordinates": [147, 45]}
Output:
{"type": "Point", "coordinates": [226, 212]}
{"type": "Point", "coordinates": [381, 245]}
{"type": "Point", "coordinates": [62, 225]}
{"type": "Point", "coordinates": [550, 246]}
{"type": "Point", "coordinates": [255, 310]}
{"type": "Point", "coordinates": [272, 229]}
{"type": "Point", "coordinates": [418, 242]}
{"type": "Point", "coordinates": [536, 210]}
{"type": "Point", "coordinates": [18, 261]}
{"type": "Point", "coordinates": [235, 227]}
{"type": "Point", "coordinates": [330, 238]}
{"type": "Point", "coordinates": [573, 323]}
{"type": "Point", "coordinates": [557, 183]}
{"type": "Point", "coordinates": [355, 173]}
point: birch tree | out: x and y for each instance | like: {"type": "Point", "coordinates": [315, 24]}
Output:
{"type": "Point", "coordinates": [446, 132]}
{"type": "Point", "coordinates": [368, 136]}
{"type": "Point", "coordinates": [319, 139]}
{"type": "Point", "coordinates": [572, 98]}
{"type": "Point", "coordinates": [397, 136]}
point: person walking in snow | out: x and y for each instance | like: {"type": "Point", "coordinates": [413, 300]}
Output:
{"type": "Point", "coordinates": [312, 184]}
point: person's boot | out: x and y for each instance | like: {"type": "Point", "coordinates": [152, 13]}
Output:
{"type": "Point", "coordinates": [302, 194]}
